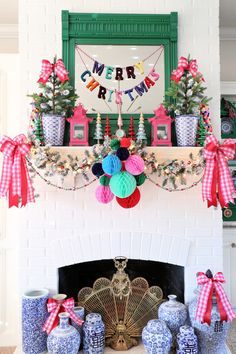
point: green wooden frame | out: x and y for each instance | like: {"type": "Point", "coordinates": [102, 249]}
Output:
{"type": "Point", "coordinates": [123, 29]}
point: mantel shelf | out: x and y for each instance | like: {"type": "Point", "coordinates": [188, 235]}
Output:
{"type": "Point", "coordinates": [162, 152]}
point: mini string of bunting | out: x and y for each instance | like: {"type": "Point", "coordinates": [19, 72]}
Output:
{"type": "Point", "coordinates": [107, 93]}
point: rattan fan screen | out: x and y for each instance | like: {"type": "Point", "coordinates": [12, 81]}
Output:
{"type": "Point", "coordinates": [126, 306]}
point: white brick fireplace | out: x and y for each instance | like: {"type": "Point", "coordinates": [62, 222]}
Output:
{"type": "Point", "coordinates": [63, 228]}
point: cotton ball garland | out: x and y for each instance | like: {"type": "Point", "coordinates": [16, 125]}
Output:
{"type": "Point", "coordinates": [130, 201]}
{"type": "Point", "coordinates": [104, 194]}
{"type": "Point", "coordinates": [104, 180]}
{"type": "Point", "coordinates": [97, 169]}
{"type": "Point", "coordinates": [122, 153]}
{"type": "Point", "coordinates": [134, 165]}
{"type": "Point", "coordinates": [111, 165]}
{"type": "Point", "coordinates": [122, 184]}
{"type": "Point", "coordinates": [140, 179]}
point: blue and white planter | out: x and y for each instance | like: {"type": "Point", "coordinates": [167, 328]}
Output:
{"type": "Point", "coordinates": [211, 339]}
{"type": "Point", "coordinates": [53, 129]}
{"type": "Point", "coordinates": [93, 334]}
{"type": "Point", "coordinates": [34, 315]}
{"type": "Point", "coordinates": [156, 337]}
{"type": "Point", "coordinates": [187, 341]}
{"type": "Point", "coordinates": [174, 314]}
{"type": "Point", "coordinates": [64, 339]}
{"type": "Point", "coordinates": [186, 129]}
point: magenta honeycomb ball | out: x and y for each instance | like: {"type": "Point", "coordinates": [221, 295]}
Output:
{"type": "Point", "coordinates": [111, 165]}
{"type": "Point", "coordinates": [104, 194]}
{"type": "Point", "coordinates": [134, 165]}
{"type": "Point", "coordinates": [122, 184]}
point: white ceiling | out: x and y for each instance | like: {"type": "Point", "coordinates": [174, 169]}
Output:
{"type": "Point", "coordinates": [8, 11]}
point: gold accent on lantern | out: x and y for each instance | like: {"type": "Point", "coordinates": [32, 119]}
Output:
{"type": "Point", "coordinates": [126, 306]}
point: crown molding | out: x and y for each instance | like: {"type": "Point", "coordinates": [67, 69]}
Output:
{"type": "Point", "coordinates": [8, 31]}
{"type": "Point", "coordinates": [228, 87]}
{"type": "Point", "coordinates": [228, 33]}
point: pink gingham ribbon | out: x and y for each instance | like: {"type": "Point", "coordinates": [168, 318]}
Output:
{"type": "Point", "coordinates": [48, 68]}
{"type": "Point", "coordinates": [217, 172]}
{"type": "Point", "coordinates": [15, 181]}
{"type": "Point", "coordinates": [54, 308]}
{"type": "Point", "coordinates": [204, 306]}
{"type": "Point", "coordinates": [184, 64]}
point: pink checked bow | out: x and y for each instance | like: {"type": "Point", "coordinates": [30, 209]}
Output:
{"type": "Point", "coordinates": [15, 180]}
{"type": "Point", "coordinates": [54, 308]}
{"type": "Point", "coordinates": [183, 65]}
{"type": "Point", "coordinates": [217, 172]}
{"type": "Point", "coordinates": [204, 306]}
{"type": "Point", "coordinates": [48, 68]}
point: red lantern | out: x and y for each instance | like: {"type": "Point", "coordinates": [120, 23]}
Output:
{"type": "Point", "coordinates": [130, 201]}
{"type": "Point", "coordinates": [161, 127]}
{"type": "Point", "coordinates": [79, 127]}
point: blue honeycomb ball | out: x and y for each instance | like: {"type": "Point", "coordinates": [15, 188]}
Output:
{"type": "Point", "coordinates": [122, 184]}
{"type": "Point", "coordinates": [111, 165]}
{"type": "Point", "coordinates": [122, 153]}
{"type": "Point", "coordinates": [97, 169]}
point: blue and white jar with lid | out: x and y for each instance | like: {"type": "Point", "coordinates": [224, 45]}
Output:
{"type": "Point", "coordinates": [93, 334]}
{"type": "Point", "coordinates": [187, 341]}
{"type": "Point", "coordinates": [156, 337]}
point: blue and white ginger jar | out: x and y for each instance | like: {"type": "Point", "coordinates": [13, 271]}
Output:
{"type": "Point", "coordinates": [211, 339]}
{"type": "Point", "coordinates": [64, 339]}
{"type": "Point", "coordinates": [187, 341]}
{"type": "Point", "coordinates": [93, 334]}
{"type": "Point", "coordinates": [80, 312]}
{"type": "Point", "coordinates": [34, 315]}
{"type": "Point", "coordinates": [174, 313]}
{"type": "Point", "coordinates": [156, 337]}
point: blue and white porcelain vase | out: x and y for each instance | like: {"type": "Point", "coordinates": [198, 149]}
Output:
{"type": "Point", "coordinates": [211, 339]}
{"type": "Point", "coordinates": [187, 341]}
{"type": "Point", "coordinates": [186, 129]}
{"type": "Point", "coordinates": [156, 337]}
{"type": "Point", "coordinates": [64, 339]}
{"type": "Point", "coordinates": [93, 334]}
{"type": "Point", "coordinates": [34, 315]}
{"type": "Point", "coordinates": [80, 312]}
{"type": "Point", "coordinates": [174, 313]}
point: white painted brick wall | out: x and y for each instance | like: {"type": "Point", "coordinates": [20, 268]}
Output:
{"type": "Point", "coordinates": [60, 215]}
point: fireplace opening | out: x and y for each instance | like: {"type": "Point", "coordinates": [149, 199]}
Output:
{"type": "Point", "coordinates": [169, 277]}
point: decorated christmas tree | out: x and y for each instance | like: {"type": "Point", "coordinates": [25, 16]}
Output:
{"type": "Point", "coordinates": [107, 127]}
{"type": "Point", "coordinates": [98, 134]}
{"type": "Point", "coordinates": [141, 133]}
{"type": "Point", "coordinates": [131, 133]}
{"type": "Point", "coordinates": [202, 133]}
{"type": "Point", "coordinates": [38, 130]}
{"type": "Point", "coordinates": [57, 96]}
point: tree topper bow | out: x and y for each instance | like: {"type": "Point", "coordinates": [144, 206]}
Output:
{"type": "Point", "coordinates": [185, 65]}
{"type": "Point", "coordinates": [48, 68]}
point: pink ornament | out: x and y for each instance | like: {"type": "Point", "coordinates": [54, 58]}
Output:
{"type": "Point", "coordinates": [134, 165]}
{"type": "Point", "coordinates": [104, 194]}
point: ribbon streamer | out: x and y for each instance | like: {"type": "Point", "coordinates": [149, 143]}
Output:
{"type": "Point", "coordinates": [15, 180]}
{"type": "Point", "coordinates": [204, 306]}
{"type": "Point", "coordinates": [185, 65]}
{"type": "Point", "coordinates": [217, 172]}
{"type": "Point", "coordinates": [54, 308]}
{"type": "Point", "coordinates": [48, 68]}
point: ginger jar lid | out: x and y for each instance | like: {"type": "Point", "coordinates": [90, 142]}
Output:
{"type": "Point", "coordinates": [156, 326]}
{"type": "Point", "coordinates": [93, 318]}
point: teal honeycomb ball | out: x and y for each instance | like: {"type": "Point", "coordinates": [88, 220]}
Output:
{"type": "Point", "coordinates": [111, 165]}
{"type": "Point", "coordinates": [122, 184]}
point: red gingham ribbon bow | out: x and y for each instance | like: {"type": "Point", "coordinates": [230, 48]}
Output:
{"type": "Point", "coordinates": [48, 68]}
{"type": "Point", "coordinates": [204, 306]}
{"type": "Point", "coordinates": [183, 65]}
{"type": "Point", "coordinates": [217, 172]}
{"type": "Point", "coordinates": [15, 181]}
{"type": "Point", "coordinates": [54, 308]}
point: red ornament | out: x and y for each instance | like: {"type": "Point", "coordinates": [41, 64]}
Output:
{"type": "Point", "coordinates": [125, 142]}
{"type": "Point", "coordinates": [130, 201]}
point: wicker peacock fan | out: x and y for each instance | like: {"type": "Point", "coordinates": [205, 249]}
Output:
{"type": "Point", "coordinates": [126, 306]}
